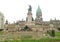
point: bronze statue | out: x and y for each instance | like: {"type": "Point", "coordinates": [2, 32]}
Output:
{"type": "Point", "coordinates": [30, 8]}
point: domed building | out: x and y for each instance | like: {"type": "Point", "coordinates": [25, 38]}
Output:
{"type": "Point", "coordinates": [38, 20]}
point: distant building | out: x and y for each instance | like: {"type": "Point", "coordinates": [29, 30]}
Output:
{"type": "Point", "coordinates": [1, 21]}
{"type": "Point", "coordinates": [38, 19]}
{"type": "Point", "coordinates": [36, 28]}
{"type": "Point", "coordinates": [35, 25]}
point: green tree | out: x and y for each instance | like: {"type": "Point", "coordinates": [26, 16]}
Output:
{"type": "Point", "coordinates": [53, 33]}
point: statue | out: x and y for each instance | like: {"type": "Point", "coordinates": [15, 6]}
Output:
{"type": "Point", "coordinates": [30, 8]}
{"type": "Point", "coordinates": [6, 22]}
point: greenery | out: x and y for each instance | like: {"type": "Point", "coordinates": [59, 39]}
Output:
{"type": "Point", "coordinates": [35, 40]}
{"type": "Point", "coordinates": [51, 33]}
{"type": "Point", "coordinates": [58, 28]}
{"type": "Point", "coordinates": [57, 33]}
{"type": "Point", "coordinates": [1, 33]}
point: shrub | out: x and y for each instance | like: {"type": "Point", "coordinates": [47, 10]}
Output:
{"type": "Point", "coordinates": [51, 33]}
{"type": "Point", "coordinates": [59, 29]}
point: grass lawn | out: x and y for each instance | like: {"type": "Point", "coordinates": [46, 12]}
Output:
{"type": "Point", "coordinates": [33, 40]}
{"type": "Point", "coordinates": [57, 34]}
{"type": "Point", "coordinates": [1, 33]}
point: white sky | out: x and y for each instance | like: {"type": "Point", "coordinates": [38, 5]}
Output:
{"type": "Point", "coordinates": [15, 10]}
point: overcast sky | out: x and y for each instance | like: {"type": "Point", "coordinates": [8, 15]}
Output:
{"type": "Point", "coordinates": [15, 10]}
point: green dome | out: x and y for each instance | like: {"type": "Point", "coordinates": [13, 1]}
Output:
{"type": "Point", "coordinates": [38, 10]}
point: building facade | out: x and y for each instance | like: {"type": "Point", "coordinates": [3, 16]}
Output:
{"type": "Point", "coordinates": [37, 24]}
{"type": "Point", "coordinates": [1, 21]}
{"type": "Point", "coordinates": [38, 19]}
{"type": "Point", "coordinates": [34, 28]}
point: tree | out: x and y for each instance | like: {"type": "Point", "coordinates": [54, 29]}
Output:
{"type": "Point", "coordinates": [59, 28]}
{"type": "Point", "coordinates": [53, 33]}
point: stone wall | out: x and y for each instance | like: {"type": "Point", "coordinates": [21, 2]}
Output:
{"type": "Point", "coordinates": [22, 35]}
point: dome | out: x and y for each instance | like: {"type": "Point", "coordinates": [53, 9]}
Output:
{"type": "Point", "coordinates": [38, 10]}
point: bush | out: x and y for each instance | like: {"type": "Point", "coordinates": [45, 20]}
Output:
{"type": "Point", "coordinates": [51, 33]}
{"type": "Point", "coordinates": [59, 29]}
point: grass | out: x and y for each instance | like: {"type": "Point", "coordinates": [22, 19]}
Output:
{"type": "Point", "coordinates": [57, 34]}
{"type": "Point", "coordinates": [1, 33]}
{"type": "Point", "coordinates": [34, 40]}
